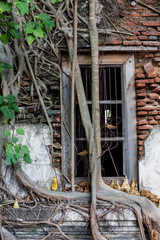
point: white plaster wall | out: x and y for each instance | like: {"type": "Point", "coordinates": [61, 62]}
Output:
{"type": "Point", "coordinates": [149, 166]}
{"type": "Point", "coordinates": [37, 139]}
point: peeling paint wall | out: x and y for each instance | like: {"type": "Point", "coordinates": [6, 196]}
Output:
{"type": "Point", "coordinates": [37, 139]}
{"type": "Point", "coordinates": [149, 166]}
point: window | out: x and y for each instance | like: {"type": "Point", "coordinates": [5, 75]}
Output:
{"type": "Point", "coordinates": [112, 121]}
{"type": "Point", "coordinates": [117, 113]}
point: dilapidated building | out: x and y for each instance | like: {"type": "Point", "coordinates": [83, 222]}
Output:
{"type": "Point", "coordinates": [129, 88]}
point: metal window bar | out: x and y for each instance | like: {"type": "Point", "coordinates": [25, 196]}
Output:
{"type": "Point", "coordinates": [112, 129]}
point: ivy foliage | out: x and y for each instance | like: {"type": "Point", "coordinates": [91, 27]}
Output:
{"type": "Point", "coordinates": [14, 152]}
{"type": "Point", "coordinates": [5, 66]}
{"type": "Point", "coordinates": [35, 27]}
{"type": "Point", "coordinates": [8, 107]}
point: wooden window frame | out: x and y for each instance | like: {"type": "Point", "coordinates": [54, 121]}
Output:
{"type": "Point", "coordinates": [127, 63]}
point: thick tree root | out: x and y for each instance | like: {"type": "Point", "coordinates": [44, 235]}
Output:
{"type": "Point", "coordinates": [54, 195]}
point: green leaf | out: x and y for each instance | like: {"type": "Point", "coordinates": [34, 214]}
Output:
{"type": "Point", "coordinates": [5, 65]}
{"type": "Point", "coordinates": [5, 7]}
{"type": "Point", "coordinates": [14, 139]}
{"type": "Point", "coordinates": [53, 1]}
{"type": "Point", "coordinates": [18, 156]}
{"type": "Point", "coordinates": [17, 147]}
{"type": "Point", "coordinates": [3, 24]}
{"type": "Point", "coordinates": [15, 33]}
{"type": "Point", "coordinates": [20, 131]}
{"type": "Point", "coordinates": [29, 27]}
{"type": "Point", "coordinates": [4, 121]}
{"type": "Point", "coordinates": [24, 149]}
{"type": "Point", "coordinates": [15, 107]}
{"type": "Point", "coordinates": [8, 159]}
{"type": "Point", "coordinates": [6, 133]}
{"type": "Point", "coordinates": [5, 37]}
{"type": "Point", "coordinates": [38, 32]}
{"type": "Point", "coordinates": [26, 158]}
{"type": "Point", "coordinates": [30, 39]}
{"type": "Point", "coordinates": [13, 24]}
{"type": "Point", "coordinates": [43, 16]}
{"type": "Point", "coordinates": [28, 1]}
{"type": "Point", "coordinates": [8, 112]}
{"type": "Point", "coordinates": [1, 99]}
{"type": "Point", "coordinates": [14, 159]}
{"type": "Point", "coordinates": [1, 16]}
{"type": "Point", "coordinates": [48, 24]}
{"type": "Point", "coordinates": [11, 98]}
{"type": "Point", "coordinates": [23, 7]}
{"type": "Point", "coordinates": [9, 148]}
{"type": "Point", "coordinates": [0, 70]}
{"type": "Point", "coordinates": [32, 8]}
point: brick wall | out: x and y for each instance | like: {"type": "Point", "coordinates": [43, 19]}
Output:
{"type": "Point", "coordinates": [144, 26]}
{"type": "Point", "coordinates": [147, 80]}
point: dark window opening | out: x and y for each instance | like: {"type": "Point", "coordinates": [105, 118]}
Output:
{"type": "Point", "coordinates": [111, 120]}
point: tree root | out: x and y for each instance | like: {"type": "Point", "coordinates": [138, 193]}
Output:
{"type": "Point", "coordinates": [54, 195]}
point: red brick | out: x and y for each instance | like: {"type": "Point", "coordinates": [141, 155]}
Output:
{"type": "Point", "coordinates": [137, 33]}
{"type": "Point", "coordinates": [153, 96]}
{"type": "Point", "coordinates": [141, 90]}
{"type": "Point", "coordinates": [140, 85]}
{"type": "Point", "coordinates": [151, 43]}
{"type": "Point", "coordinates": [157, 117]}
{"type": "Point", "coordinates": [157, 90]}
{"type": "Point", "coordinates": [142, 113]}
{"type": "Point", "coordinates": [145, 127]}
{"type": "Point", "coordinates": [145, 81]}
{"type": "Point", "coordinates": [148, 55]}
{"type": "Point", "coordinates": [139, 70]}
{"type": "Point", "coordinates": [153, 113]}
{"type": "Point", "coordinates": [140, 148]}
{"type": "Point", "coordinates": [141, 10]}
{"type": "Point", "coordinates": [140, 143]}
{"type": "Point", "coordinates": [148, 67]}
{"type": "Point", "coordinates": [120, 2]}
{"type": "Point", "coordinates": [150, 118]}
{"type": "Point", "coordinates": [157, 59]}
{"type": "Point", "coordinates": [126, 24]}
{"type": "Point", "coordinates": [153, 33]}
{"type": "Point", "coordinates": [142, 136]}
{"type": "Point", "coordinates": [157, 80]}
{"type": "Point", "coordinates": [141, 153]}
{"type": "Point", "coordinates": [149, 15]}
{"type": "Point", "coordinates": [159, 64]}
{"type": "Point", "coordinates": [142, 122]}
{"type": "Point", "coordinates": [114, 43]}
{"type": "Point", "coordinates": [131, 43]}
{"type": "Point", "coordinates": [140, 75]}
{"type": "Point", "coordinates": [141, 104]}
{"type": "Point", "coordinates": [132, 38]}
{"type": "Point", "coordinates": [153, 122]}
{"type": "Point", "coordinates": [153, 85]}
{"type": "Point", "coordinates": [143, 38]}
{"type": "Point", "coordinates": [141, 95]}
{"type": "Point", "coordinates": [146, 108]}
{"type": "Point", "coordinates": [158, 28]}
{"type": "Point", "coordinates": [152, 24]}
{"type": "Point", "coordinates": [134, 15]}
{"type": "Point", "coordinates": [151, 75]}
